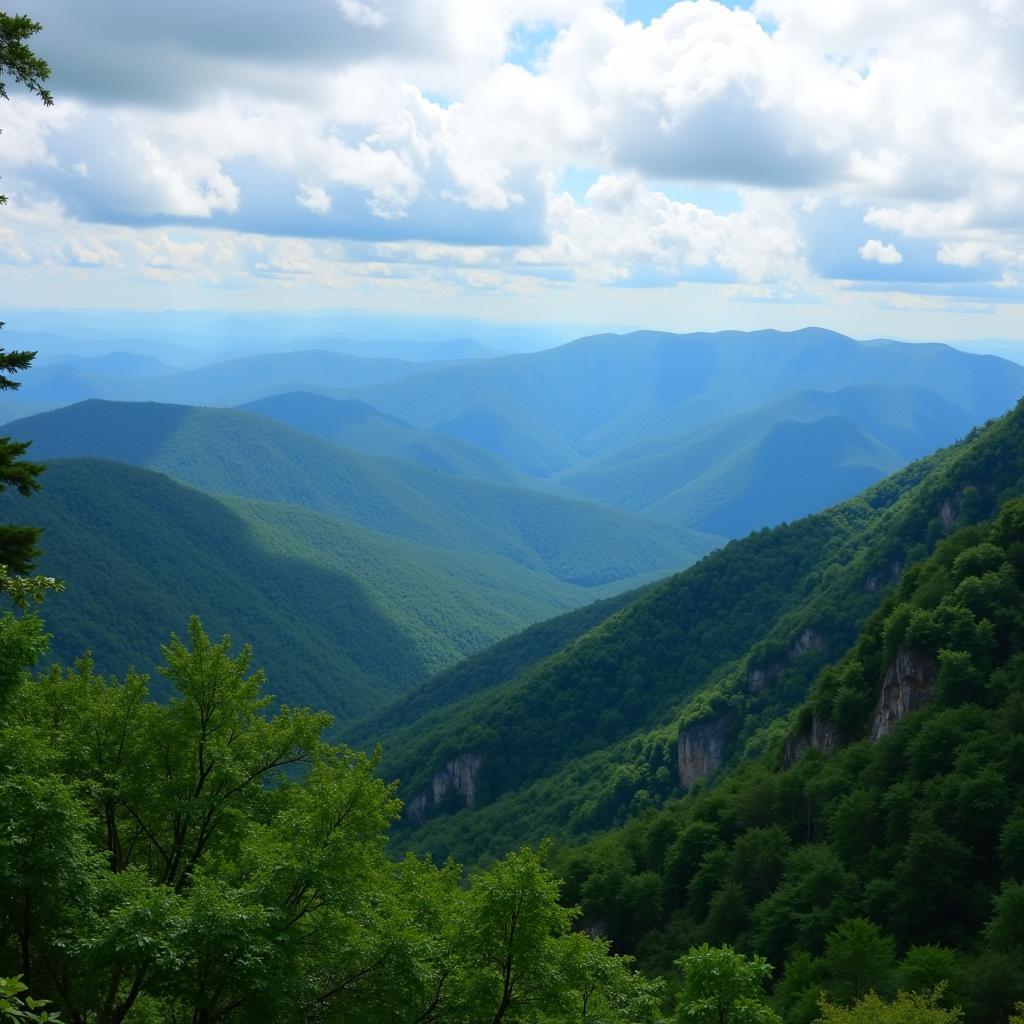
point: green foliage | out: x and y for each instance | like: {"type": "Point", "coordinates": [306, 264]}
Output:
{"type": "Point", "coordinates": [908, 1008]}
{"type": "Point", "coordinates": [586, 738]}
{"type": "Point", "coordinates": [18, 544]}
{"type": "Point", "coordinates": [18, 62]}
{"type": "Point", "coordinates": [721, 986]}
{"type": "Point", "coordinates": [18, 1008]}
{"type": "Point", "coordinates": [206, 859]}
{"type": "Point", "coordinates": [858, 959]}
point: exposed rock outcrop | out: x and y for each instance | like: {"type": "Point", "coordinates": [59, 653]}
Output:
{"type": "Point", "coordinates": [761, 675]}
{"type": "Point", "coordinates": [809, 640]}
{"type": "Point", "coordinates": [701, 748]}
{"type": "Point", "coordinates": [459, 777]}
{"type": "Point", "coordinates": [822, 736]}
{"type": "Point", "coordinates": [758, 678]}
{"type": "Point", "coordinates": [949, 514]}
{"type": "Point", "coordinates": [909, 684]}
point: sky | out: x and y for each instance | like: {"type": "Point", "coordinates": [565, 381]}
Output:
{"type": "Point", "coordinates": [854, 164]}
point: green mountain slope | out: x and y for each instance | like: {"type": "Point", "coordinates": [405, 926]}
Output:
{"type": "Point", "coordinates": [226, 451]}
{"type": "Point", "coordinates": [592, 734]}
{"type": "Point", "coordinates": [426, 704]}
{"type": "Point", "coordinates": [547, 411]}
{"type": "Point", "coordinates": [792, 470]}
{"type": "Point", "coordinates": [359, 426]}
{"type": "Point", "coordinates": [689, 480]}
{"type": "Point", "coordinates": [880, 839]}
{"type": "Point", "coordinates": [344, 617]}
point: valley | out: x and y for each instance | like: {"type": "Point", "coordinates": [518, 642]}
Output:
{"type": "Point", "coordinates": [512, 513]}
{"type": "Point", "coordinates": [605, 595]}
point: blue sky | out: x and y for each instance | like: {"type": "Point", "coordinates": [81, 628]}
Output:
{"type": "Point", "coordinates": [698, 164]}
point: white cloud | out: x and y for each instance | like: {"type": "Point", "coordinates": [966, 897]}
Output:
{"type": "Point", "coordinates": [625, 227]}
{"type": "Point", "coordinates": [880, 252]}
{"type": "Point", "coordinates": [313, 198]}
{"type": "Point", "coordinates": [92, 253]}
{"type": "Point", "coordinates": [406, 123]}
{"type": "Point", "coordinates": [361, 13]}
{"type": "Point", "coordinates": [164, 252]}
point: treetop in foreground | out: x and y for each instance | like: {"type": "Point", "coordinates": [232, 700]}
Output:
{"type": "Point", "coordinates": [207, 860]}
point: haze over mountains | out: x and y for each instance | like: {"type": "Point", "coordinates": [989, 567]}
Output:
{"type": "Point", "coordinates": [574, 591]}
{"type": "Point", "coordinates": [695, 675]}
{"type": "Point", "coordinates": [686, 429]}
{"type": "Point", "coordinates": [504, 488]}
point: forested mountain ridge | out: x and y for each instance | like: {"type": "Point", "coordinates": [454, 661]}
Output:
{"type": "Point", "coordinates": [343, 618]}
{"type": "Point", "coordinates": [356, 425]}
{"type": "Point", "coordinates": [878, 843]}
{"type": "Point", "coordinates": [592, 734]}
{"type": "Point", "coordinates": [225, 382]}
{"type": "Point", "coordinates": [832, 444]}
{"type": "Point", "coordinates": [548, 411]}
{"type": "Point", "coordinates": [427, 703]}
{"type": "Point", "coordinates": [718, 433]}
{"type": "Point", "coordinates": [230, 452]}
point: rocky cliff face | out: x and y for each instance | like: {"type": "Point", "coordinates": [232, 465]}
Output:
{"type": "Point", "coordinates": [459, 776]}
{"type": "Point", "coordinates": [822, 736]}
{"type": "Point", "coordinates": [909, 684]}
{"type": "Point", "coordinates": [760, 676]}
{"type": "Point", "coordinates": [701, 748]}
{"type": "Point", "coordinates": [949, 514]}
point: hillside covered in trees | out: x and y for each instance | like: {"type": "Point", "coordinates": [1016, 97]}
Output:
{"type": "Point", "coordinates": [878, 843]}
{"type": "Point", "coordinates": [525, 672]}
{"type": "Point", "coordinates": [596, 732]}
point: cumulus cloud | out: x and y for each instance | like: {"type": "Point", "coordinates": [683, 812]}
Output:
{"type": "Point", "coordinates": [880, 252]}
{"type": "Point", "coordinates": [422, 123]}
{"type": "Point", "coordinates": [362, 13]}
{"type": "Point", "coordinates": [92, 253]}
{"type": "Point", "coordinates": [313, 198]}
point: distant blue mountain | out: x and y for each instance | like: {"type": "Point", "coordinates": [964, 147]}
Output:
{"type": "Point", "coordinates": [359, 426]}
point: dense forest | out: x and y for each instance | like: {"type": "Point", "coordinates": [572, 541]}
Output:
{"type": "Point", "coordinates": [208, 858]}
{"type": "Point", "coordinates": [170, 861]}
{"type": "Point", "coordinates": [344, 615]}
{"type": "Point", "coordinates": [585, 738]}
{"type": "Point", "coordinates": [880, 844]}
{"type": "Point", "coordinates": [784, 785]}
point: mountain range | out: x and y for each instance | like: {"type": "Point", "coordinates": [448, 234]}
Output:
{"type": "Point", "coordinates": [738, 620]}
{"type": "Point", "coordinates": [713, 659]}
{"type": "Point", "coordinates": [341, 616]}
{"type": "Point", "coordinates": [693, 430]}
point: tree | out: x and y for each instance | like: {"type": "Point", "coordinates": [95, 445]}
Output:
{"type": "Point", "coordinates": [908, 1008]}
{"type": "Point", "coordinates": [923, 968]}
{"type": "Point", "coordinates": [18, 544]}
{"type": "Point", "coordinates": [18, 62]}
{"type": "Point", "coordinates": [858, 959]}
{"type": "Point", "coordinates": [209, 859]}
{"type": "Point", "coordinates": [721, 986]}
{"type": "Point", "coordinates": [509, 956]}
{"type": "Point", "coordinates": [608, 989]}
